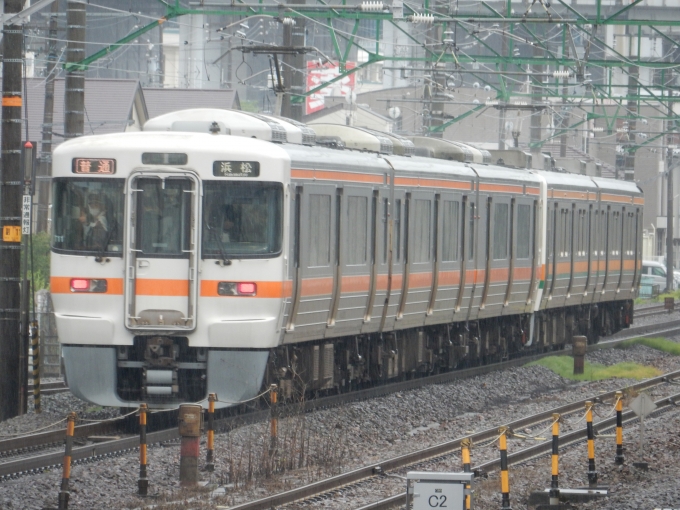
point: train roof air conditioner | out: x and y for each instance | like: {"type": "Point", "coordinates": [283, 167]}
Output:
{"type": "Point", "coordinates": [356, 138]}
{"type": "Point", "coordinates": [442, 149]}
{"type": "Point", "coordinates": [297, 132]}
{"type": "Point", "coordinates": [219, 121]}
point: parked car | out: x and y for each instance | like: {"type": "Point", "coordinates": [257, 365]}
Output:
{"type": "Point", "coordinates": [656, 271]}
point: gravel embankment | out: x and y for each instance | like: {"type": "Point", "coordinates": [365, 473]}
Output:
{"type": "Point", "coordinates": [325, 442]}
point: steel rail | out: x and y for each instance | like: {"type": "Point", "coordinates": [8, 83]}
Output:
{"type": "Point", "coordinates": [537, 450]}
{"type": "Point", "coordinates": [439, 450]}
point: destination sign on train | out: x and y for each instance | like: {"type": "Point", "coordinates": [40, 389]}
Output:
{"type": "Point", "coordinates": [236, 168]}
{"type": "Point", "coordinates": [94, 166]}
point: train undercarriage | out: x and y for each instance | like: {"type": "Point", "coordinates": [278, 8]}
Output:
{"type": "Point", "coordinates": [349, 363]}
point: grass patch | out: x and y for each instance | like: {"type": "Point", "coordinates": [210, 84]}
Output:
{"type": "Point", "coordinates": [660, 344]}
{"type": "Point", "coordinates": [94, 409]}
{"type": "Point", "coordinates": [658, 299]}
{"type": "Point", "coordinates": [564, 366]}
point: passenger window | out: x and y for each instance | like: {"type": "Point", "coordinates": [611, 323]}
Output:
{"type": "Point", "coordinates": [357, 232]}
{"type": "Point", "coordinates": [386, 218]}
{"type": "Point", "coordinates": [657, 271]}
{"type": "Point", "coordinates": [500, 231]}
{"type": "Point", "coordinates": [319, 230]}
{"type": "Point", "coordinates": [471, 249]}
{"type": "Point", "coordinates": [421, 231]}
{"type": "Point", "coordinates": [523, 245]}
{"type": "Point", "coordinates": [397, 229]}
{"type": "Point", "coordinates": [450, 231]}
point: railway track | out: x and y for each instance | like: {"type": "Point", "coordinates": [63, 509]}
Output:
{"type": "Point", "coordinates": [402, 462]}
{"type": "Point", "coordinates": [50, 388]}
{"type": "Point", "coordinates": [90, 452]}
{"type": "Point", "coordinates": [651, 311]}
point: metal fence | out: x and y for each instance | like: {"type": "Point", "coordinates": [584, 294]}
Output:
{"type": "Point", "coordinates": [50, 350]}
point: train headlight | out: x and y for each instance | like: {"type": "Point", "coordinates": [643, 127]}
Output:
{"type": "Point", "coordinates": [88, 285]}
{"type": "Point", "coordinates": [237, 289]}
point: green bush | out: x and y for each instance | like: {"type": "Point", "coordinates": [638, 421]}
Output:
{"type": "Point", "coordinates": [39, 272]}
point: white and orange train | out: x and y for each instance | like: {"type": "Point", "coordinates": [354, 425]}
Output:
{"type": "Point", "coordinates": [185, 263]}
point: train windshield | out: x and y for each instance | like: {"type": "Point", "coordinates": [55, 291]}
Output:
{"type": "Point", "coordinates": [242, 219]}
{"type": "Point", "coordinates": [87, 215]}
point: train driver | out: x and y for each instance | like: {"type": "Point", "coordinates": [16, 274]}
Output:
{"type": "Point", "coordinates": [95, 223]}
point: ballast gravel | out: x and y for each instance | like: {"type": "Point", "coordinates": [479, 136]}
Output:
{"type": "Point", "coordinates": [319, 444]}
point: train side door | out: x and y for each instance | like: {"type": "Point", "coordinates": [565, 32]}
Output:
{"type": "Point", "coordinates": [318, 258]}
{"type": "Point", "coordinates": [161, 257]}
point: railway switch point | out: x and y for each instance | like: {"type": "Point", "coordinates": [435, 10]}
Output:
{"type": "Point", "coordinates": [143, 482]}
{"type": "Point", "coordinates": [66, 473]}
{"type": "Point", "coordinates": [190, 432]}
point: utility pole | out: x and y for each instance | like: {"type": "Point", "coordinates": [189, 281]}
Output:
{"type": "Point", "coordinates": [12, 401]}
{"type": "Point", "coordinates": [669, 219]}
{"type": "Point", "coordinates": [45, 167]}
{"type": "Point", "coordinates": [633, 90]}
{"type": "Point", "coordinates": [74, 111]}
{"type": "Point", "coordinates": [293, 66]}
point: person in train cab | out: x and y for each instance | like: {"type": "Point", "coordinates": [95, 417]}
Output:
{"type": "Point", "coordinates": [95, 224]}
{"type": "Point", "coordinates": [229, 226]}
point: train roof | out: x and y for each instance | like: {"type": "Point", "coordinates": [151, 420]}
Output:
{"type": "Point", "coordinates": [202, 150]}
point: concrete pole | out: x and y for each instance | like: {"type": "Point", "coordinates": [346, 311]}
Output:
{"type": "Point", "coordinates": [11, 183]}
{"type": "Point", "coordinates": [45, 166]}
{"type": "Point", "coordinates": [74, 103]}
{"type": "Point", "coordinates": [293, 68]}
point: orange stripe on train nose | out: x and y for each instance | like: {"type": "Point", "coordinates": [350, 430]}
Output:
{"type": "Point", "coordinates": [157, 287]}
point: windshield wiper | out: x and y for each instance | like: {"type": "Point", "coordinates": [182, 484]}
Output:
{"type": "Point", "coordinates": [99, 257]}
{"type": "Point", "coordinates": [225, 261]}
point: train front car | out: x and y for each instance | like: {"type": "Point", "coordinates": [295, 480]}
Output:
{"type": "Point", "coordinates": [167, 266]}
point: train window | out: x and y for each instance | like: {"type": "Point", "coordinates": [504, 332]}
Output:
{"type": "Point", "coordinates": [421, 231]}
{"type": "Point", "coordinates": [242, 219]}
{"type": "Point", "coordinates": [357, 231]}
{"type": "Point", "coordinates": [386, 221]}
{"type": "Point", "coordinates": [615, 233]}
{"type": "Point", "coordinates": [163, 217]}
{"type": "Point", "coordinates": [450, 230]}
{"type": "Point", "coordinates": [523, 245]}
{"type": "Point", "coordinates": [87, 215]}
{"type": "Point", "coordinates": [500, 231]}
{"type": "Point", "coordinates": [319, 230]}
{"type": "Point", "coordinates": [550, 232]}
{"type": "Point", "coordinates": [397, 229]}
{"type": "Point", "coordinates": [471, 237]}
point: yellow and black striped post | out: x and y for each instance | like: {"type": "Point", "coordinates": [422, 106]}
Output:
{"type": "Point", "coordinates": [143, 482]}
{"type": "Point", "coordinates": [210, 460]}
{"type": "Point", "coordinates": [554, 483]}
{"type": "Point", "coordinates": [274, 416]}
{"type": "Point", "coordinates": [505, 480]}
{"type": "Point", "coordinates": [592, 473]}
{"type": "Point", "coordinates": [35, 345]}
{"type": "Point", "coordinates": [66, 473]}
{"type": "Point", "coordinates": [619, 427]}
{"type": "Point", "coordinates": [466, 444]}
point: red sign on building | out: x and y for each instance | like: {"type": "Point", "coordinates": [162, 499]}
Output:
{"type": "Point", "coordinates": [317, 74]}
